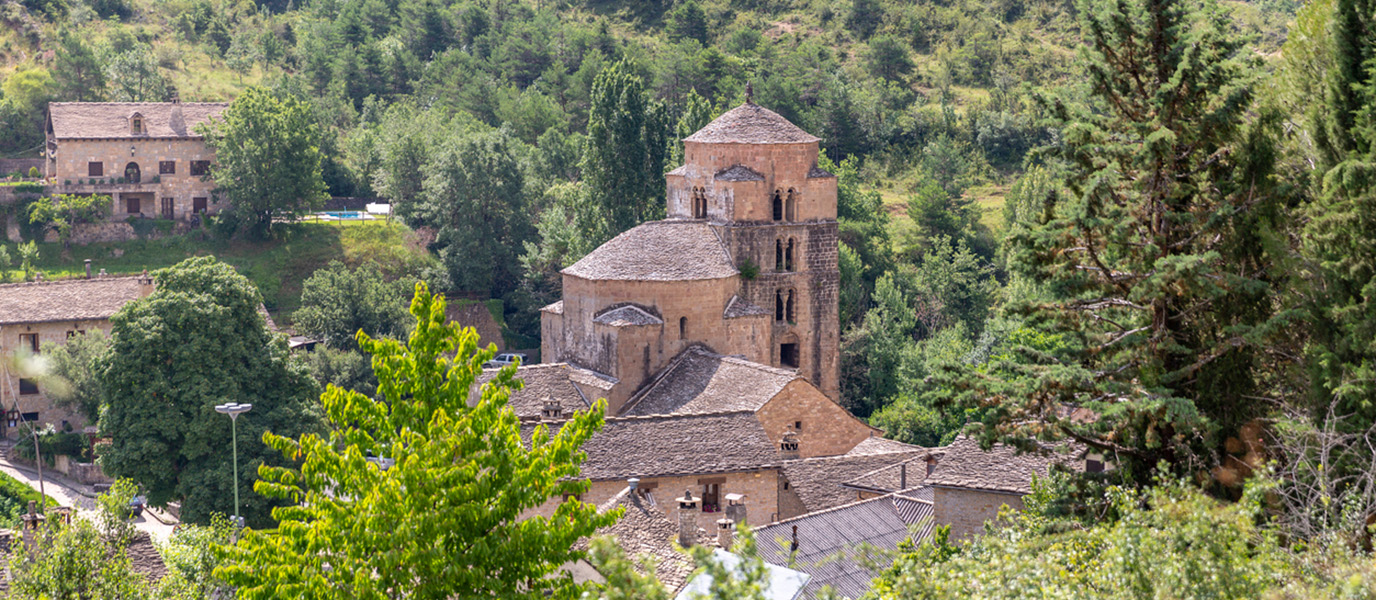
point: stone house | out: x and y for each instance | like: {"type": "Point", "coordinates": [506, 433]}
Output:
{"type": "Point", "coordinates": [970, 485]}
{"type": "Point", "coordinates": [745, 264]}
{"type": "Point", "coordinates": [148, 156]}
{"type": "Point", "coordinates": [33, 314]}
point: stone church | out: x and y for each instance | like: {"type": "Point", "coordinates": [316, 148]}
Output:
{"type": "Point", "coordinates": [745, 264]}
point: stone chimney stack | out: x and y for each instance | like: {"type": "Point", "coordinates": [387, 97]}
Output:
{"type": "Point", "coordinates": [103, 274]}
{"type": "Point", "coordinates": [903, 476]}
{"type": "Point", "coordinates": [726, 533]}
{"type": "Point", "coordinates": [88, 268]}
{"type": "Point", "coordinates": [145, 284]}
{"type": "Point", "coordinates": [552, 410]}
{"type": "Point", "coordinates": [735, 508]}
{"type": "Point", "coordinates": [788, 447]}
{"type": "Point", "coordinates": [687, 519]}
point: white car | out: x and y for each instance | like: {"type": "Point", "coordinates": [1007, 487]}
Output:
{"type": "Point", "coordinates": [505, 358]}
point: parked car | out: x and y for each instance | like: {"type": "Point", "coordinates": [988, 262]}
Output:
{"type": "Point", "coordinates": [505, 358]}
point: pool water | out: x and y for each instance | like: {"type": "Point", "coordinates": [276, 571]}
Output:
{"type": "Point", "coordinates": [346, 215]}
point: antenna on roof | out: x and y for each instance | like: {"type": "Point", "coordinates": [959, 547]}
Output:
{"type": "Point", "coordinates": [749, 93]}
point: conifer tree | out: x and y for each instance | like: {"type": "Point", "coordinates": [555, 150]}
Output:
{"type": "Point", "coordinates": [623, 156]}
{"type": "Point", "coordinates": [1155, 262]}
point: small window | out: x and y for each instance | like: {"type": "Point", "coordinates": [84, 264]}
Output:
{"type": "Point", "coordinates": [200, 167]}
{"type": "Point", "coordinates": [29, 417]}
{"type": "Point", "coordinates": [779, 305]}
{"type": "Point", "coordinates": [198, 205]}
{"type": "Point", "coordinates": [138, 125]}
{"type": "Point", "coordinates": [75, 332]}
{"type": "Point", "coordinates": [28, 387]}
{"type": "Point", "coordinates": [785, 485]}
{"type": "Point", "coordinates": [29, 341]}
{"type": "Point", "coordinates": [95, 169]}
{"type": "Point", "coordinates": [788, 355]}
{"type": "Point", "coordinates": [682, 328]}
{"type": "Point", "coordinates": [797, 425]}
{"type": "Point", "coordinates": [778, 255]}
{"type": "Point", "coordinates": [788, 256]}
{"type": "Point", "coordinates": [711, 498]}
{"type": "Point", "coordinates": [167, 167]}
{"type": "Point", "coordinates": [778, 206]}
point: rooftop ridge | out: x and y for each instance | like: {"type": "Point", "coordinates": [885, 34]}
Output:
{"type": "Point", "coordinates": [68, 281]}
{"type": "Point", "coordinates": [890, 496]}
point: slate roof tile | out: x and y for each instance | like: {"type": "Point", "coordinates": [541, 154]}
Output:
{"type": "Point", "coordinates": [661, 446]}
{"type": "Point", "coordinates": [738, 307]}
{"type": "Point", "coordinates": [1002, 468]}
{"type": "Point", "coordinates": [104, 120]}
{"type": "Point", "coordinates": [817, 481]}
{"type": "Point", "coordinates": [549, 381]}
{"type": "Point", "coordinates": [699, 381]}
{"type": "Point", "coordinates": [644, 530]}
{"type": "Point", "coordinates": [738, 173]}
{"type": "Point", "coordinates": [817, 172]}
{"type": "Point", "coordinates": [66, 299]}
{"type": "Point", "coordinates": [751, 123]}
{"type": "Point", "coordinates": [671, 250]}
{"type": "Point", "coordinates": [627, 316]}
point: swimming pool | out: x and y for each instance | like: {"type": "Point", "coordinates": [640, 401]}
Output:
{"type": "Point", "coordinates": [352, 214]}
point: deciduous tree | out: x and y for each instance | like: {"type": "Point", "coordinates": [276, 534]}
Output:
{"type": "Point", "coordinates": [623, 156]}
{"type": "Point", "coordinates": [421, 494]}
{"type": "Point", "coordinates": [62, 212]}
{"type": "Point", "coordinates": [338, 301]}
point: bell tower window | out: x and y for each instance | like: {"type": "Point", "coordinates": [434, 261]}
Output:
{"type": "Point", "coordinates": [778, 206]}
{"type": "Point", "coordinates": [699, 203]}
{"type": "Point", "coordinates": [788, 256]}
{"type": "Point", "coordinates": [683, 328]}
{"type": "Point", "coordinates": [778, 255]}
{"type": "Point", "coordinates": [791, 206]}
{"type": "Point", "coordinates": [779, 305]}
{"type": "Point", "coordinates": [788, 308]}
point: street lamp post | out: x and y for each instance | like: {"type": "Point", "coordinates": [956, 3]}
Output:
{"type": "Point", "coordinates": [234, 410]}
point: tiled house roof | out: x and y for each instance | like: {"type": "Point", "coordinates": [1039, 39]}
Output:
{"type": "Point", "coordinates": [66, 300]}
{"type": "Point", "coordinates": [658, 251]}
{"type": "Point", "coordinates": [627, 316]}
{"type": "Point", "coordinates": [664, 446]}
{"type": "Point", "coordinates": [817, 481]}
{"type": "Point", "coordinates": [105, 120]}
{"type": "Point", "coordinates": [891, 478]}
{"type": "Point", "coordinates": [644, 530]}
{"type": "Point", "coordinates": [879, 445]}
{"type": "Point", "coordinates": [817, 172]}
{"type": "Point", "coordinates": [738, 173]}
{"type": "Point", "coordinates": [751, 123]}
{"type": "Point", "coordinates": [556, 307]}
{"type": "Point", "coordinates": [738, 307]}
{"type": "Point", "coordinates": [1002, 468]}
{"type": "Point", "coordinates": [699, 381]}
{"type": "Point", "coordinates": [827, 540]}
{"type": "Point", "coordinates": [550, 381]}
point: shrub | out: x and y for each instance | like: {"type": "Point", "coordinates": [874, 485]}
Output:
{"type": "Point", "coordinates": [33, 172]}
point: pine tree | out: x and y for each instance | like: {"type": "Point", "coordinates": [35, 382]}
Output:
{"type": "Point", "coordinates": [624, 154]}
{"type": "Point", "coordinates": [1156, 261]}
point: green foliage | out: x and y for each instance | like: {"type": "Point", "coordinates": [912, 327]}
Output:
{"type": "Point", "coordinates": [62, 212]}
{"type": "Point", "coordinates": [337, 302]}
{"type": "Point", "coordinates": [28, 255]}
{"type": "Point", "coordinates": [444, 518]}
{"type": "Point", "coordinates": [625, 580]}
{"type": "Point", "coordinates": [687, 21]}
{"type": "Point", "coordinates": [78, 74]}
{"type": "Point", "coordinates": [113, 513]}
{"type": "Point", "coordinates": [344, 369]}
{"type": "Point", "coordinates": [196, 342]}
{"type": "Point", "coordinates": [191, 555]}
{"type": "Point", "coordinates": [15, 496]}
{"type": "Point", "coordinates": [267, 151]}
{"type": "Point", "coordinates": [623, 157]}
{"type": "Point", "coordinates": [73, 562]}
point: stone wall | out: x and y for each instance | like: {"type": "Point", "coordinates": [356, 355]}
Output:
{"type": "Point", "coordinates": [826, 428]}
{"type": "Point", "coordinates": [70, 174]}
{"type": "Point", "coordinates": [966, 511]}
{"type": "Point", "coordinates": [761, 489]}
{"type": "Point", "coordinates": [10, 396]}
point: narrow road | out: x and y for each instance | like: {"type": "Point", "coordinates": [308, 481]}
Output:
{"type": "Point", "coordinates": [86, 505]}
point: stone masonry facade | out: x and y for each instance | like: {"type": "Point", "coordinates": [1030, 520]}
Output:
{"type": "Point", "coordinates": [966, 510]}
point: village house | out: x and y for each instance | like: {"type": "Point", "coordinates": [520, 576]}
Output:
{"type": "Point", "coordinates": [970, 485]}
{"type": "Point", "coordinates": [42, 312]}
{"type": "Point", "coordinates": [148, 156]}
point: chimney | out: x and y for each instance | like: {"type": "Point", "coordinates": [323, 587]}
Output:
{"type": "Point", "coordinates": [735, 508]}
{"type": "Point", "coordinates": [552, 411]}
{"type": "Point", "coordinates": [903, 476]}
{"type": "Point", "coordinates": [788, 447]}
{"type": "Point", "coordinates": [931, 464]}
{"type": "Point", "coordinates": [38, 276]}
{"type": "Point", "coordinates": [633, 483]}
{"type": "Point", "coordinates": [103, 274]}
{"type": "Point", "coordinates": [145, 284]}
{"type": "Point", "coordinates": [687, 519]}
{"type": "Point", "coordinates": [88, 268]}
{"type": "Point", "coordinates": [725, 533]}
{"type": "Point", "coordinates": [793, 546]}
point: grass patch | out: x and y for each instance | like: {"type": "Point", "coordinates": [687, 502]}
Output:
{"type": "Point", "coordinates": [15, 496]}
{"type": "Point", "coordinates": [277, 267]}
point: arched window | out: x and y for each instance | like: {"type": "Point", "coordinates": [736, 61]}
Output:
{"type": "Point", "coordinates": [778, 206]}
{"type": "Point", "coordinates": [791, 210]}
{"type": "Point", "coordinates": [788, 310]}
{"type": "Point", "coordinates": [131, 172]}
{"type": "Point", "coordinates": [788, 256]}
{"type": "Point", "coordinates": [682, 328]}
{"type": "Point", "coordinates": [778, 305]}
{"type": "Point", "coordinates": [778, 255]}
{"type": "Point", "coordinates": [699, 203]}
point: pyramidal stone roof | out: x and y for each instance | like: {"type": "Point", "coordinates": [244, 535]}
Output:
{"type": "Point", "coordinates": [105, 120]}
{"type": "Point", "coordinates": [751, 123]}
{"type": "Point", "coordinates": [67, 299]}
{"type": "Point", "coordinates": [699, 381]}
{"type": "Point", "coordinates": [670, 250]}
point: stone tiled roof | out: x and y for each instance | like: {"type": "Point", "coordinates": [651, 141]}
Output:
{"type": "Point", "coordinates": [104, 120]}
{"type": "Point", "coordinates": [1002, 468]}
{"type": "Point", "coordinates": [66, 300]}
{"type": "Point", "coordinates": [738, 307]}
{"type": "Point", "coordinates": [592, 379]}
{"type": "Point", "coordinates": [738, 173]}
{"type": "Point", "coordinates": [672, 250]}
{"type": "Point", "coordinates": [699, 381]}
{"type": "Point", "coordinates": [675, 445]}
{"type": "Point", "coordinates": [817, 172]}
{"type": "Point", "coordinates": [880, 445]}
{"type": "Point", "coordinates": [827, 542]}
{"type": "Point", "coordinates": [555, 308]}
{"type": "Point", "coordinates": [644, 530]}
{"type": "Point", "coordinates": [892, 478]}
{"type": "Point", "coordinates": [817, 481]}
{"type": "Point", "coordinates": [751, 123]}
{"type": "Point", "coordinates": [679, 170]}
{"type": "Point", "coordinates": [545, 382]}
{"type": "Point", "coordinates": [627, 316]}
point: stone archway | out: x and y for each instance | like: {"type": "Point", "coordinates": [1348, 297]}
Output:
{"type": "Point", "coordinates": [131, 173]}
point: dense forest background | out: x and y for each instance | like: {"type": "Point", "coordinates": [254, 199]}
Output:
{"type": "Point", "coordinates": [516, 136]}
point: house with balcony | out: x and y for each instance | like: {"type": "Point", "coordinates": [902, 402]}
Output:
{"type": "Point", "coordinates": [147, 156]}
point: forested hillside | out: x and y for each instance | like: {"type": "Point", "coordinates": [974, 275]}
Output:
{"type": "Point", "coordinates": [555, 121]}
